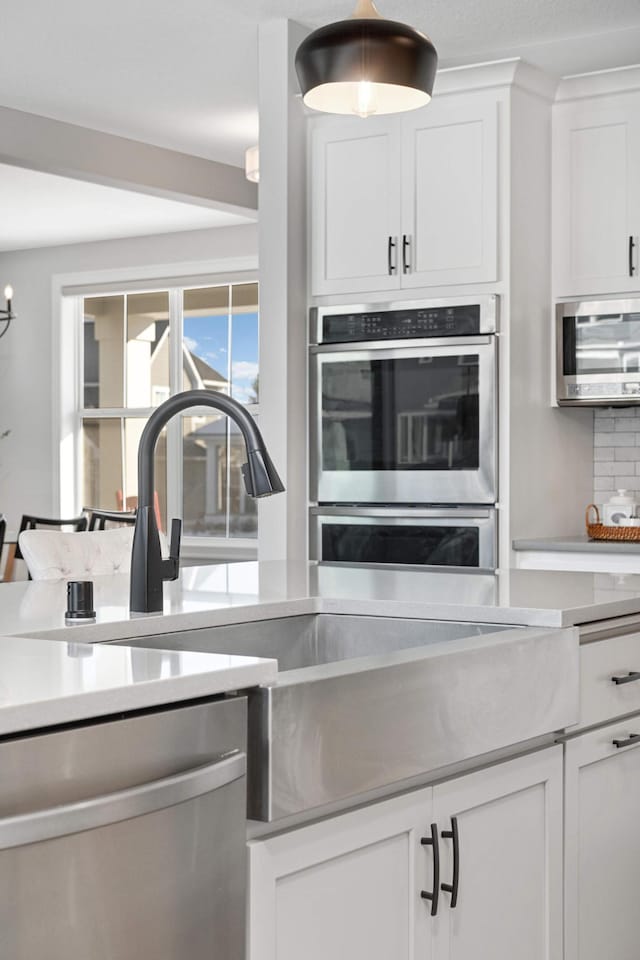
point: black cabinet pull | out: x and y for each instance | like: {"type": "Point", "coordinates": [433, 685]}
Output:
{"type": "Point", "coordinates": [630, 677]}
{"type": "Point", "coordinates": [452, 887]}
{"type": "Point", "coordinates": [406, 266]}
{"type": "Point", "coordinates": [391, 246]}
{"type": "Point", "coordinates": [432, 841]}
{"type": "Point", "coordinates": [634, 738]}
{"type": "Point", "coordinates": [631, 247]}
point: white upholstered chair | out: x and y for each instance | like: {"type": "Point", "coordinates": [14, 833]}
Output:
{"type": "Point", "coordinates": [55, 555]}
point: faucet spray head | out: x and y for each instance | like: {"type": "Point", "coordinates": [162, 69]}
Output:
{"type": "Point", "coordinates": [260, 476]}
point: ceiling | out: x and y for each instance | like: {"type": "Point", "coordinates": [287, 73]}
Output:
{"type": "Point", "coordinates": [184, 75]}
{"type": "Point", "coordinates": [40, 210]}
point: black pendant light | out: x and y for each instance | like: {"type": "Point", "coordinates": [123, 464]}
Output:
{"type": "Point", "coordinates": [366, 65]}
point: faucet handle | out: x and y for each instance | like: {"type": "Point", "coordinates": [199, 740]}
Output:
{"type": "Point", "coordinates": [171, 567]}
{"type": "Point", "coordinates": [174, 546]}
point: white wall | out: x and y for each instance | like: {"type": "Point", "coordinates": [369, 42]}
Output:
{"type": "Point", "coordinates": [26, 361]}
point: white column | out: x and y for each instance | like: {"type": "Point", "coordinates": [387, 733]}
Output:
{"type": "Point", "coordinates": [283, 289]}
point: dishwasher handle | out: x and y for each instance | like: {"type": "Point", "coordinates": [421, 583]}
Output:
{"type": "Point", "coordinates": [61, 821]}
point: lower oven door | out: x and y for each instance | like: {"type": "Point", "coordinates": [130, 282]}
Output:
{"type": "Point", "coordinates": [455, 537]}
{"type": "Point", "coordinates": [409, 422]}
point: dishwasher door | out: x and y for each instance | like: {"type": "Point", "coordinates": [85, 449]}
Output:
{"type": "Point", "coordinates": [126, 839]}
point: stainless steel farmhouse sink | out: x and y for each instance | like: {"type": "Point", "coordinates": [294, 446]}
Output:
{"type": "Point", "coordinates": [364, 702]}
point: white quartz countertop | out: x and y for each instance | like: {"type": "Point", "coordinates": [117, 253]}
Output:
{"type": "Point", "coordinates": [579, 544]}
{"type": "Point", "coordinates": [44, 683]}
{"type": "Point", "coordinates": [236, 592]}
{"type": "Point", "coordinates": [51, 673]}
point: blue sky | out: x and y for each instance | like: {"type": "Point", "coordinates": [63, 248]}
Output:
{"type": "Point", "coordinates": [207, 337]}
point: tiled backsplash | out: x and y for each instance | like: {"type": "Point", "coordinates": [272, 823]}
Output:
{"type": "Point", "coordinates": [616, 453]}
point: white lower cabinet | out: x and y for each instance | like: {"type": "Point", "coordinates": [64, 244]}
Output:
{"type": "Point", "coordinates": [602, 844]}
{"type": "Point", "coordinates": [509, 820]}
{"type": "Point", "coordinates": [350, 887]}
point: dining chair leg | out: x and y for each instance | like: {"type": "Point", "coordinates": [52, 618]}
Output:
{"type": "Point", "coordinates": [8, 567]}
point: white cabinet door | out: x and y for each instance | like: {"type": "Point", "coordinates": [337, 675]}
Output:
{"type": "Point", "coordinates": [509, 822]}
{"type": "Point", "coordinates": [596, 196]}
{"type": "Point", "coordinates": [602, 844]}
{"type": "Point", "coordinates": [347, 888]}
{"type": "Point", "coordinates": [450, 205]}
{"type": "Point", "coordinates": [355, 206]}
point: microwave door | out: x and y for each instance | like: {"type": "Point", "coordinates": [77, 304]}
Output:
{"type": "Point", "coordinates": [404, 425]}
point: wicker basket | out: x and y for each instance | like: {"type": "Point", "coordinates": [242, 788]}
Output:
{"type": "Point", "coordinates": [598, 531]}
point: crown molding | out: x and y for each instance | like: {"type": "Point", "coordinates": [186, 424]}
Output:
{"type": "Point", "coordinates": [600, 83]}
{"type": "Point", "coordinates": [511, 72]}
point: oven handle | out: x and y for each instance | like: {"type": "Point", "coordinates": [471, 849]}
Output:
{"type": "Point", "coordinates": [459, 344]}
{"type": "Point", "coordinates": [411, 513]}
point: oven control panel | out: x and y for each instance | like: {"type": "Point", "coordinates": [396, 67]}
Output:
{"type": "Point", "coordinates": [405, 323]}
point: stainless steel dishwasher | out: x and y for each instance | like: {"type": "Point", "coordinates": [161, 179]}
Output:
{"type": "Point", "coordinates": [125, 838]}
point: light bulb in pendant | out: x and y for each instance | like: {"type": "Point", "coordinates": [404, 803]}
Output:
{"type": "Point", "coordinates": [365, 99]}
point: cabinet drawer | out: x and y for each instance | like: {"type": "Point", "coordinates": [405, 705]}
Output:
{"type": "Point", "coordinates": [601, 698]}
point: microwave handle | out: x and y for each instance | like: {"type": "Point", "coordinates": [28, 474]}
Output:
{"type": "Point", "coordinates": [632, 246]}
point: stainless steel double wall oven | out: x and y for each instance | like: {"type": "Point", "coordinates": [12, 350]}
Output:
{"type": "Point", "coordinates": [403, 433]}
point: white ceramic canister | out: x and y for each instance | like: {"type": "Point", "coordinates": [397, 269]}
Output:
{"type": "Point", "coordinates": [618, 508]}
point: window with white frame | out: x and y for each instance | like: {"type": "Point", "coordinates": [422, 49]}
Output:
{"type": "Point", "coordinates": [137, 350]}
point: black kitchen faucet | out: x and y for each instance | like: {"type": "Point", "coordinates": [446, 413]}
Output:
{"type": "Point", "coordinates": [148, 569]}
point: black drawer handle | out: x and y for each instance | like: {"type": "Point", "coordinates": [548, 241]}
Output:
{"type": "Point", "coordinates": [452, 887]}
{"type": "Point", "coordinates": [391, 265]}
{"type": "Point", "coordinates": [630, 677]}
{"type": "Point", "coordinates": [432, 841]}
{"type": "Point", "coordinates": [631, 247]}
{"type": "Point", "coordinates": [634, 738]}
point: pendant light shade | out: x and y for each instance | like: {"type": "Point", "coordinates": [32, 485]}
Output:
{"type": "Point", "coordinates": [366, 65]}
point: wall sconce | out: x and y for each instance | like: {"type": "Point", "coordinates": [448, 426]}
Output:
{"type": "Point", "coordinates": [7, 315]}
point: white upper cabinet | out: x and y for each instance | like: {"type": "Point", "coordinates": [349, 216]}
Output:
{"type": "Point", "coordinates": [409, 201]}
{"type": "Point", "coordinates": [596, 195]}
{"type": "Point", "coordinates": [355, 215]}
{"type": "Point", "coordinates": [449, 201]}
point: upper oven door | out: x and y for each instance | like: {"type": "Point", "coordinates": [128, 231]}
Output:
{"type": "Point", "coordinates": [411, 424]}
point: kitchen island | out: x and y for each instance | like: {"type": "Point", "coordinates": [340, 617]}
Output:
{"type": "Point", "coordinates": [437, 757]}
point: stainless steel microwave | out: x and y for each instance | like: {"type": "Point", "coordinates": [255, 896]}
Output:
{"type": "Point", "coordinates": [598, 353]}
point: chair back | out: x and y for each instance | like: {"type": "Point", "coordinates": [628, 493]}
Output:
{"type": "Point", "coordinates": [56, 555]}
{"type": "Point", "coordinates": [98, 519]}
{"type": "Point", "coordinates": [29, 522]}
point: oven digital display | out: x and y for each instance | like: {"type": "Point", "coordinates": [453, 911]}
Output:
{"type": "Point", "coordinates": [402, 324]}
